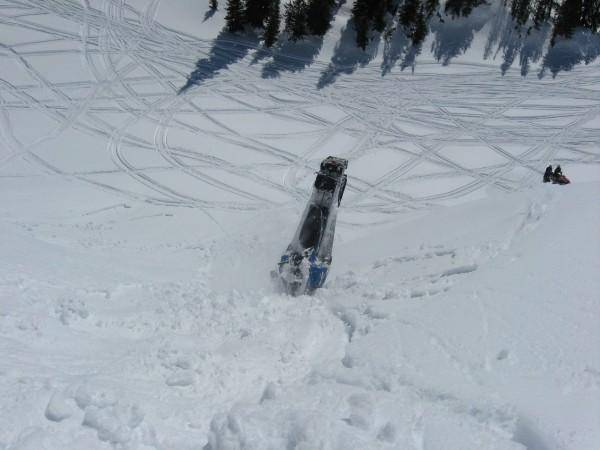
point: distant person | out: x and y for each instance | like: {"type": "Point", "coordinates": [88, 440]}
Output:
{"type": "Point", "coordinates": [548, 174]}
{"type": "Point", "coordinates": [558, 177]}
{"type": "Point", "coordinates": [557, 172]}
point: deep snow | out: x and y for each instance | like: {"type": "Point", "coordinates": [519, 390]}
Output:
{"type": "Point", "coordinates": [138, 228]}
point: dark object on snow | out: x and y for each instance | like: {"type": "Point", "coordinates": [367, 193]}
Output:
{"type": "Point", "coordinates": [305, 263]}
{"type": "Point", "coordinates": [558, 177]}
{"type": "Point", "coordinates": [548, 174]}
{"type": "Point", "coordinates": [557, 172]}
{"type": "Point", "coordinates": [555, 177]}
{"type": "Point", "coordinates": [561, 179]}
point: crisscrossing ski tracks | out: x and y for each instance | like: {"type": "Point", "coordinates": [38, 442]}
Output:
{"type": "Point", "coordinates": [239, 141]}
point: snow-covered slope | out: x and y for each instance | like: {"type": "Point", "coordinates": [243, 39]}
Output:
{"type": "Point", "coordinates": [138, 228]}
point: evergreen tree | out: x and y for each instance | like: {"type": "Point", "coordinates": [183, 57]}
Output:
{"type": "Point", "coordinates": [370, 14]}
{"type": "Point", "coordinates": [408, 14]}
{"type": "Point", "coordinates": [458, 8]}
{"type": "Point", "coordinates": [378, 11]}
{"type": "Point", "coordinates": [420, 28]}
{"type": "Point", "coordinates": [257, 12]}
{"type": "Point", "coordinates": [543, 11]}
{"type": "Point", "coordinates": [273, 23]}
{"type": "Point", "coordinates": [318, 15]}
{"type": "Point", "coordinates": [235, 16]}
{"type": "Point", "coordinates": [361, 19]}
{"type": "Point", "coordinates": [520, 10]}
{"type": "Point", "coordinates": [413, 19]}
{"type": "Point", "coordinates": [431, 7]}
{"type": "Point", "coordinates": [590, 15]}
{"type": "Point", "coordinates": [568, 17]}
{"type": "Point", "coordinates": [295, 19]}
{"type": "Point", "coordinates": [213, 4]}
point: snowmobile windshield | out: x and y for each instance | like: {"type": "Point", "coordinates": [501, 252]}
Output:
{"type": "Point", "coordinates": [311, 229]}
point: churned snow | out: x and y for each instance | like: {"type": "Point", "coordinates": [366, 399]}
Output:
{"type": "Point", "coordinates": [138, 227]}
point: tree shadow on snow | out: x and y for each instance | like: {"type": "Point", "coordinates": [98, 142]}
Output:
{"type": "Point", "coordinates": [583, 47]}
{"type": "Point", "coordinates": [208, 14]}
{"type": "Point", "coordinates": [347, 56]}
{"type": "Point", "coordinates": [227, 49]}
{"type": "Point", "coordinates": [513, 40]}
{"type": "Point", "coordinates": [394, 48]}
{"type": "Point", "coordinates": [293, 56]}
{"type": "Point", "coordinates": [453, 37]}
{"type": "Point", "coordinates": [398, 47]}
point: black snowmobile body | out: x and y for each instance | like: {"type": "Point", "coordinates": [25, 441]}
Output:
{"type": "Point", "coordinates": [305, 264]}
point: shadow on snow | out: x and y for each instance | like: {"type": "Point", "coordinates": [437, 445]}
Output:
{"type": "Point", "coordinates": [208, 14]}
{"type": "Point", "coordinates": [514, 41]}
{"type": "Point", "coordinates": [583, 47]}
{"type": "Point", "coordinates": [292, 56]}
{"type": "Point", "coordinates": [347, 56]}
{"type": "Point", "coordinates": [452, 37]}
{"type": "Point", "coordinates": [227, 49]}
{"type": "Point", "coordinates": [398, 47]}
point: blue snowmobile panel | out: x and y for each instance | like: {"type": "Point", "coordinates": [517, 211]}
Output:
{"type": "Point", "coordinates": [305, 264]}
{"type": "Point", "coordinates": [316, 276]}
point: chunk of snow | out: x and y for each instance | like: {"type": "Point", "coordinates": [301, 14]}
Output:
{"type": "Point", "coordinates": [58, 409]}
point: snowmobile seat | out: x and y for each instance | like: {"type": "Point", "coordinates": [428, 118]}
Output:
{"type": "Point", "coordinates": [311, 229]}
{"type": "Point", "coordinates": [325, 183]}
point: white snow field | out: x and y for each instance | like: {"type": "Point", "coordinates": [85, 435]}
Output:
{"type": "Point", "coordinates": [138, 226]}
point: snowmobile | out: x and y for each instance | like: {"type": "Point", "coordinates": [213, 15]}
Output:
{"type": "Point", "coordinates": [560, 179]}
{"type": "Point", "coordinates": [305, 264]}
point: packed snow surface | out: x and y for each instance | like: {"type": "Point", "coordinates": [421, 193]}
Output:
{"type": "Point", "coordinates": [139, 223]}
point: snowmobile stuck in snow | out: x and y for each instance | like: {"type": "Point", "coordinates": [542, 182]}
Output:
{"type": "Point", "coordinates": [305, 264]}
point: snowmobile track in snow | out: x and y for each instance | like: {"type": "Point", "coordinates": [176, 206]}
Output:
{"type": "Point", "coordinates": [129, 102]}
